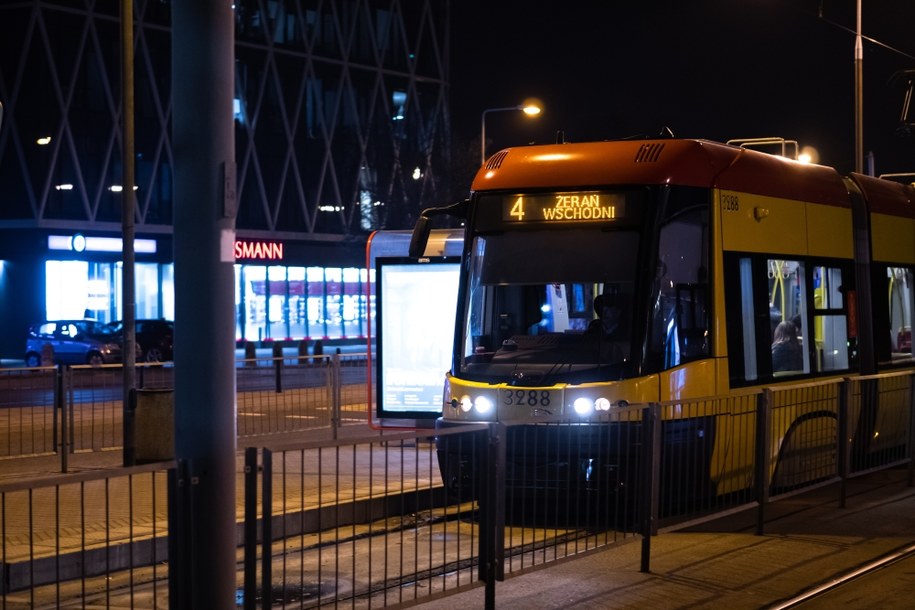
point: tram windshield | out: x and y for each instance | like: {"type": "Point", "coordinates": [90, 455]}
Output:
{"type": "Point", "coordinates": [548, 306]}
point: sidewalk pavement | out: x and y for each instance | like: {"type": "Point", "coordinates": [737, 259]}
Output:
{"type": "Point", "coordinates": [808, 540]}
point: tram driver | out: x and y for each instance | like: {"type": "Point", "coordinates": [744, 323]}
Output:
{"type": "Point", "coordinates": [609, 311]}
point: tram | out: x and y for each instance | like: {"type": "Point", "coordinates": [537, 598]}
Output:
{"type": "Point", "coordinates": [603, 274]}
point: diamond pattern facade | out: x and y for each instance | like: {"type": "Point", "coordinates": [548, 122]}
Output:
{"type": "Point", "coordinates": [341, 114]}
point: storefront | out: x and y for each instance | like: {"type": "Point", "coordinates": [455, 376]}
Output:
{"type": "Point", "coordinates": [277, 298]}
{"type": "Point", "coordinates": [284, 290]}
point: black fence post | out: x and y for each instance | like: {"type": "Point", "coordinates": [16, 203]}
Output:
{"type": "Point", "coordinates": [336, 414]}
{"type": "Point", "coordinates": [179, 551]}
{"type": "Point", "coordinates": [61, 411]}
{"type": "Point", "coordinates": [130, 428]}
{"type": "Point", "coordinates": [278, 365]}
{"type": "Point", "coordinates": [763, 457]}
{"type": "Point", "coordinates": [250, 560]}
{"type": "Point", "coordinates": [492, 513]}
{"type": "Point", "coordinates": [911, 451]}
{"type": "Point", "coordinates": [651, 469]}
{"type": "Point", "coordinates": [267, 530]}
{"type": "Point", "coordinates": [842, 445]}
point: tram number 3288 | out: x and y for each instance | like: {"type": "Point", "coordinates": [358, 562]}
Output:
{"type": "Point", "coordinates": [526, 398]}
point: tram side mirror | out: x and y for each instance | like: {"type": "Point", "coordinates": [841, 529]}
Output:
{"type": "Point", "coordinates": [423, 225]}
{"type": "Point", "coordinates": [420, 236]}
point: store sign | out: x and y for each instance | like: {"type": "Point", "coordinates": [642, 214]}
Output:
{"type": "Point", "coordinates": [81, 243]}
{"type": "Point", "coordinates": [259, 250]}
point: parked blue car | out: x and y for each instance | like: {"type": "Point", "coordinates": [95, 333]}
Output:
{"type": "Point", "coordinates": [72, 342]}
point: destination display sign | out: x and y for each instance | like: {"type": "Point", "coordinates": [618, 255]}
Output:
{"type": "Point", "coordinates": [564, 207]}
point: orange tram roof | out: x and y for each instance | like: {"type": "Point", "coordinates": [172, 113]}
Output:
{"type": "Point", "coordinates": [699, 163]}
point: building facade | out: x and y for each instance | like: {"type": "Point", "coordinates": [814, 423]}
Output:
{"type": "Point", "coordinates": [341, 118]}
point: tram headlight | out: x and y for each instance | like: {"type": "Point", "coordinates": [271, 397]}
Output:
{"type": "Point", "coordinates": [602, 404]}
{"type": "Point", "coordinates": [482, 404]}
{"type": "Point", "coordinates": [583, 406]}
{"type": "Point", "coordinates": [466, 404]}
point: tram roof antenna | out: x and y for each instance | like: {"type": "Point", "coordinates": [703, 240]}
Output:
{"type": "Point", "coordinates": [560, 136]}
{"type": "Point", "coordinates": [903, 177]}
{"type": "Point", "coordinates": [766, 142]}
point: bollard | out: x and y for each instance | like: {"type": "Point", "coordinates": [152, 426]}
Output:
{"type": "Point", "coordinates": [303, 351]}
{"type": "Point", "coordinates": [278, 365]}
{"type": "Point", "coordinates": [47, 355]}
{"type": "Point", "coordinates": [250, 354]}
{"type": "Point", "coordinates": [154, 421]}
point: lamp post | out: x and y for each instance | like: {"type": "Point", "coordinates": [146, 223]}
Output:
{"type": "Point", "coordinates": [859, 96]}
{"type": "Point", "coordinates": [531, 110]}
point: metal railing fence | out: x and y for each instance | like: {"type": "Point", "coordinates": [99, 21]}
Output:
{"type": "Point", "coordinates": [69, 409]}
{"type": "Point", "coordinates": [525, 495]}
{"type": "Point", "coordinates": [397, 519]}
{"type": "Point", "coordinates": [89, 536]}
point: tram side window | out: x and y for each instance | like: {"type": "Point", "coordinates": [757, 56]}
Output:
{"type": "Point", "coordinates": [900, 295]}
{"type": "Point", "coordinates": [680, 324]}
{"type": "Point", "coordinates": [830, 323]}
{"type": "Point", "coordinates": [787, 305]}
{"type": "Point", "coordinates": [767, 318]}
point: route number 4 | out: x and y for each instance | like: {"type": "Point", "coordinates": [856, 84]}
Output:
{"type": "Point", "coordinates": [518, 209]}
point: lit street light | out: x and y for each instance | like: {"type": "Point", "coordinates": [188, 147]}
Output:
{"type": "Point", "coordinates": [530, 109]}
{"type": "Point", "coordinates": [859, 95]}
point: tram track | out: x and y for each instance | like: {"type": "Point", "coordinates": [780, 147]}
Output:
{"type": "Point", "coordinates": [805, 598]}
{"type": "Point", "coordinates": [436, 549]}
{"type": "Point", "coordinates": [403, 559]}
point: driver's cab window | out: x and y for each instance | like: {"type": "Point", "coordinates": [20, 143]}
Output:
{"type": "Point", "coordinates": [680, 317]}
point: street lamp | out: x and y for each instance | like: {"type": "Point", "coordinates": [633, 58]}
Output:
{"type": "Point", "coordinates": [530, 109]}
{"type": "Point", "coordinates": [859, 95]}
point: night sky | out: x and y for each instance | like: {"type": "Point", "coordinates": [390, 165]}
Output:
{"type": "Point", "coordinates": [712, 69]}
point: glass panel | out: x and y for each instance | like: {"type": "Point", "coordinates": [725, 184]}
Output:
{"type": "Point", "coordinates": [680, 317]}
{"type": "Point", "coordinates": [747, 319]}
{"type": "Point", "coordinates": [254, 290]}
{"type": "Point", "coordinates": [352, 303]}
{"type": "Point", "coordinates": [103, 302]}
{"type": "Point", "coordinates": [830, 331]}
{"type": "Point", "coordinates": [333, 280]}
{"type": "Point", "coordinates": [787, 311]}
{"type": "Point", "coordinates": [276, 304]}
{"type": "Point", "coordinates": [518, 321]}
{"type": "Point", "coordinates": [832, 342]}
{"type": "Point", "coordinates": [168, 291]}
{"type": "Point", "coordinates": [315, 307]}
{"type": "Point", "coordinates": [147, 291]}
{"type": "Point", "coordinates": [900, 304]}
{"type": "Point", "coordinates": [298, 323]}
{"type": "Point", "coordinates": [66, 289]}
